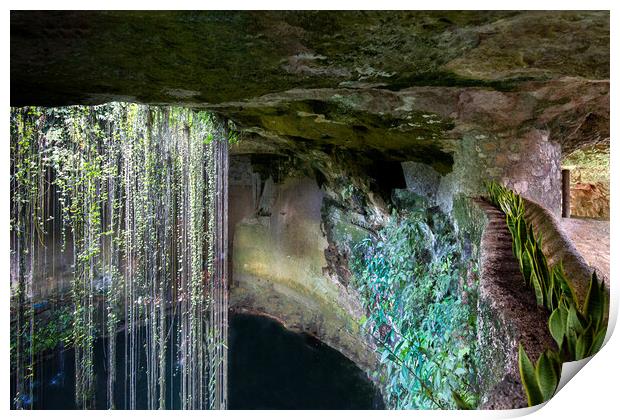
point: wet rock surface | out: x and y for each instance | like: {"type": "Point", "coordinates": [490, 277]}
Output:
{"type": "Point", "coordinates": [289, 256]}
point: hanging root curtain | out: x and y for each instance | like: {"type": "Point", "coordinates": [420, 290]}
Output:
{"type": "Point", "coordinates": [136, 198]}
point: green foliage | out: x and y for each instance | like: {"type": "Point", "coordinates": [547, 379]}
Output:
{"type": "Point", "coordinates": [588, 165]}
{"type": "Point", "coordinates": [136, 188]}
{"type": "Point", "coordinates": [53, 331]}
{"type": "Point", "coordinates": [467, 402]}
{"type": "Point", "coordinates": [48, 332]}
{"type": "Point", "coordinates": [579, 331]}
{"type": "Point", "coordinates": [425, 331]}
{"type": "Point", "coordinates": [540, 381]}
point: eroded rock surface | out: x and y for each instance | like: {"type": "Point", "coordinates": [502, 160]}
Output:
{"type": "Point", "coordinates": [332, 107]}
{"type": "Point", "coordinates": [474, 94]}
{"type": "Point", "coordinates": [350, 78]}
{"type": "Point", "coordinates": [288, 260]}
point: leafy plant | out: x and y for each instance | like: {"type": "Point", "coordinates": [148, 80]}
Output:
{"type": "Point", "coordinates": [579, 331]}
{"type": "Point", "coordinates": [541, 380]}
{"type": "Point", "coordinates": [425, 331]}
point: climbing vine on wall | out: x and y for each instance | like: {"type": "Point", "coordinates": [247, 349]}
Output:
{"type": "Point", "coordinates": [137, 195]}
{"type": "Point", "coordinates": [418, 312]}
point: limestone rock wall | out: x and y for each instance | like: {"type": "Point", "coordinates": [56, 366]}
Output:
{"type": "Point", "coordinates": [422, 179]}
{"type": "Point", "coordinates": [529, 164]}
{"type": "Point", "coordinates": [590, 200]}
{"type": "Point", "coordinates": [280, 264]}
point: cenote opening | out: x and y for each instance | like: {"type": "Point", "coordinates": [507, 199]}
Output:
{"type": "Point", "coordinates": [407, 220]}
{"type": "Point", "coordinates": [270, 367]}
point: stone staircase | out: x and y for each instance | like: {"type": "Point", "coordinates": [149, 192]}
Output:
{"type": "Point", "coordinates": [508, 315]}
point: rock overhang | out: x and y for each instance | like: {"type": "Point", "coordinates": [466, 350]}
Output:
{"type": "Point", "coordinates": [395, 86]}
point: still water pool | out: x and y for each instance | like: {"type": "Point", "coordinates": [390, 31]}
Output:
{"type": "Point", "coordinates": [270, 367]}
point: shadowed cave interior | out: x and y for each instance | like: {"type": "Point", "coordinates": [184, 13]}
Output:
{"type": "Point", "coordinates": [291, 210]}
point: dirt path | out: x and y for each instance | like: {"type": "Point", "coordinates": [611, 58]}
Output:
{"type": "Point", "coordinates": [591, 237]}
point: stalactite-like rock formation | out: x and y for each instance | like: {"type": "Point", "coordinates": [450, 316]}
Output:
{"type": "Point", "coordinates": [138, 196]}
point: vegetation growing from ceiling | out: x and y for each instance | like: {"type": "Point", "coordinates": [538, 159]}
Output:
{"type": "Point", "coordinates": [133, 191]}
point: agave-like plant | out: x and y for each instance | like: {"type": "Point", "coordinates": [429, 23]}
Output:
{"type": "Point", "coordinates": [579, 331]}
{"type": "Point", "coordinates": [541, 380]}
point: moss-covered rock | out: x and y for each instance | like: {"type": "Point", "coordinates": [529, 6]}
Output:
{"type": "Point", "coordinates": [401, 85]}
{"type": "Point", "coordinates": [217, 56]}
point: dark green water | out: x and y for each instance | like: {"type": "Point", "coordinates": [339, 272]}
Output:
{"type": "Point", "coordinates": [273, 368]}
{"type": "Point", "coordinates": [269, 368]}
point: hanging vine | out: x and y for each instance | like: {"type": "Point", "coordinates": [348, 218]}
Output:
{"type": "Point", "coordinates": [141, 192]}
{"type": "Point", "coordinates": [26, 218]}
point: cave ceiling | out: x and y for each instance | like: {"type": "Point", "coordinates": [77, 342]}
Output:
{"type": "Point", "coordinates": [400, 85]}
